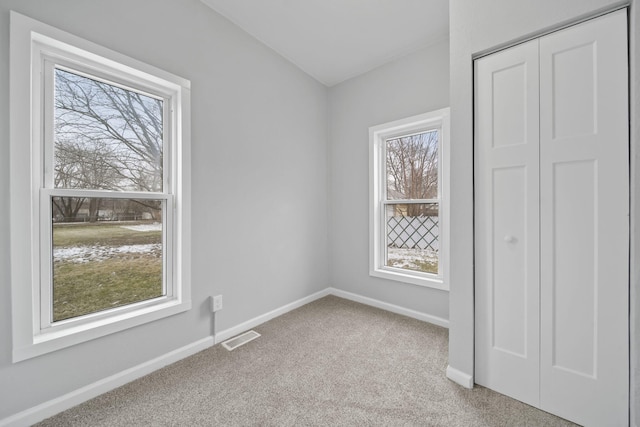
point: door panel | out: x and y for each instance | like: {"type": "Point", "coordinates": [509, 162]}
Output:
{"type": "Point", "coordinates": [506, 177]}
{"type": "Point", "coordinates": [509, 105]}
{"type": "Point", "coordinates": [574, 95]}
{"type": "Point", "coordinates": [573, 281]}
{"type": "Point", "coordinates": [584, 222]}
{"type": "Point", "coordinates": [509, 295]}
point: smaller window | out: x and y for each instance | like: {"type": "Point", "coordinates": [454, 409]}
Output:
{"type": "Point", "coordinates": [408, 236]}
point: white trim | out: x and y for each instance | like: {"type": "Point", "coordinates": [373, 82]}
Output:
{"type": "Point", "coordinates": [438, 321]}
{"type": "Point", "coordinates": [459, 377]}
{"type": "Point", "coordinates": [256, 321]}
{"type": "Point", "coordinates": [438, 119]}
{"type": "Point", "coordinates": [408, 276]}
{"type": "Point", "coordinates": [252, 323]}
{"type": "Point", "coordinates": [71, 399]}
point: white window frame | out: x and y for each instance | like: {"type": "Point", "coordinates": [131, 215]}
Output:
{"type": "Point", "coordinates": [378, 135]}
{"type": "Point", "coordinates": [35, 49]}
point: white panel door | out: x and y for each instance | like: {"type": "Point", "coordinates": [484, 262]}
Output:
{"type": "Point", "coordinates": [584, 188]}
{"type": "Point", "coordinates": [551, 222]}
{"type": "Point", "coordinates": [506, 215]}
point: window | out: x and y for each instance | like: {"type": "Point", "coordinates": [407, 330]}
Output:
{"type": "Point", "coordinates": [100, 147]}
{"type": "Point", "coordinates": [408, 189]}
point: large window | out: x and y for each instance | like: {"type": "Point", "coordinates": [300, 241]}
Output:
{"type": "Point", "coordinates": [99, 155]}
{"type": "Point", "coordinates": [408, 199]}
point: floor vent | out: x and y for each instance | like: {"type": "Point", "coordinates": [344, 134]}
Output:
{"type": "Point", "coordinates": [236, 342]}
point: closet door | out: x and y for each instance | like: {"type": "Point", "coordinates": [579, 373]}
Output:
{"type": "Point", "coordinates": [551, 221]}
{"type": "Point", "coordinates": [507, 222]}
{"type": "Point", "coordinates": [584, 211]}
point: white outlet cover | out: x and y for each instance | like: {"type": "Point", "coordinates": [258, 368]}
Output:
{"type": "Point", "coordinates": [216, 303]}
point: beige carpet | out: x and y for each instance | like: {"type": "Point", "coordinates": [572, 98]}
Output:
{"type": "Point", "coordinates": [330, 363]}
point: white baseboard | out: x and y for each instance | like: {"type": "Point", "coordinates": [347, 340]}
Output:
{"type": "Point", "coordinates": [252, 323]}
{"type": "Point", "coordinates": [59, 404]}
{"type": "Point", "coordinates": [390, 307]}
{"type": "Point", "coordinates": [459, 377]}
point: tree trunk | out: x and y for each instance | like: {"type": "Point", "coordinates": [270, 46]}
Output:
{"type": "Point", "coordinates": [94, 209]}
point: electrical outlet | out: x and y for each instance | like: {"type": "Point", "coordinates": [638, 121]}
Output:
{"type": "Point", "coordinates": [216, 303]}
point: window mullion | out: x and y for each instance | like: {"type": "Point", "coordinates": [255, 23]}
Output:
{"type": "Point", "coordinates": [72, 192]}
{"type": "Point", "coordinates": [410, 201]}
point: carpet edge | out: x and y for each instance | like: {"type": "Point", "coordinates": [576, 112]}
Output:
{"type": "Point", "coordinates": [66, 401]}
{"type": "Point", "coordinates": [438, 321]}
{"type": "Point", "coordinates": [258, 320]}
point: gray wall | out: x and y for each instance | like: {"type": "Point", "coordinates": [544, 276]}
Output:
{"type": "Point", "coordinates": [412, 85]}
{"type": "Point", "coordinates": [634, 47]}
{"type": "Point", "coordinates": [477, 27]}
{"type": "Point", "coordinates": [259, 132]}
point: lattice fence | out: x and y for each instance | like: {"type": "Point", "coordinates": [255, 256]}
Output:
{"type": "Point", "coordinates": [413, 232]}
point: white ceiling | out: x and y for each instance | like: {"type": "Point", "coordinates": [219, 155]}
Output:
{"type": "Point", "coordinates": [333, 40]}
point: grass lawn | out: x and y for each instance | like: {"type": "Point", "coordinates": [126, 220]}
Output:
{"type": "Point", "coordinates": [415, 265]}
{"type": "Point", "coordinates": [110, 273]}
{"type": "Point", "coordinates": [101, 233]}
{"type": "Point", "coordinates": [422, 260]}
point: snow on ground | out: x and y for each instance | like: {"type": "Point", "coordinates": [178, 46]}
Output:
{"type": "Point", "coordinates": [82, 254]}
{"type": "Point", "coordinates": [404, 258]}
{"type": "Point", "coordinates": [156, 226]}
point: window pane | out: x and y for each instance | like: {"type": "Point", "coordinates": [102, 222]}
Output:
{"type": "Point", "coordinates": [106, 253]}
{"type": "Point", "coordinates": [413, 236]}
{"type": "Point", "coordinates": [412, 166]}
{"type": "Point", "coordinates": [106, 137]}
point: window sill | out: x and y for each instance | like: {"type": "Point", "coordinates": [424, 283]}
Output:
{"type": "Point", "coordinates": [56, 339]}
{"type": "Point", "coordinates": [418, 279]}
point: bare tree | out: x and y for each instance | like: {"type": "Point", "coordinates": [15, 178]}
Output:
{"type": "Point", "coordinates": [412, 170]}
{"type": "Point", "coordinates": [83, 164]}
{"type": "Point", "coordinates": [67, 208]}
{"type": "Point", "coordinates": [106, 137]}
{"type": "Point", "coordinates": [124, 127]}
